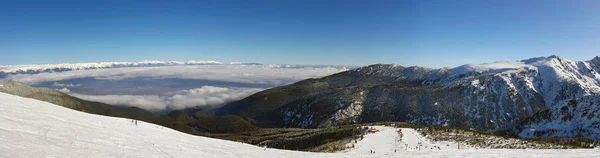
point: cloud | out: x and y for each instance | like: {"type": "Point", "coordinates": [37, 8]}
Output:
{"type": "Point", "coordinates": [147, 102]}
{"type": "Point", "coordinates": [234, 82]}
{"type": "Point", "coordinates": [56, 84]}
{"type": "Point", "coordinates": [254, 74]}
{"type": "Point", "coordinates": [206, 96]}
{"type": "Point", "coordinates": [64, 90]}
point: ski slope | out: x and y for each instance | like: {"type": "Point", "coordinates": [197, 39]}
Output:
{"type": "Point", "coordinates": [413, 141]}
{"type": "Point", "coordinates": [32, 128]}
{"type": "Point", "coordinates": [388, 142]}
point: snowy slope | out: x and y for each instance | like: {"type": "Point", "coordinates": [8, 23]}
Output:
{"type": "Point", "coordinates": [388, 141]}
{"type": "Point", "coordinates": [31, 128]}
{"type": "Point", "coordinates": [410, 143]}
{"type": "Point", "coordinates": [575, 118]}
{"type": "Point", "coordinates": [543, 75]}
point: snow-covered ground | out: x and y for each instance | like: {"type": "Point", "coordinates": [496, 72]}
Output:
{"type": "Point", "coordinates": [31, 128]}
{"type": "Point", "coordinates": [413, 141]}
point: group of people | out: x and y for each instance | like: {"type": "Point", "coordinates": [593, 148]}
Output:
{"type": "Point", "coordinates": [132, 121]}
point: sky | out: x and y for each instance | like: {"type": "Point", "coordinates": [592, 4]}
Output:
{"type": "Point", "coordinates": [433, 33]}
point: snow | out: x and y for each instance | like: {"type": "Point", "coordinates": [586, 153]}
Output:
{"type": "Point", "coordinates": [413, 141]}
{"type": "Point", "coordinates": [83, 66]}
{"type": "Point", "coordinates": [541, 74]}
{"type": "Point", "coordinates": [388, 139]}
{"type": "Point", "coordinates": [489, 67]}
{"type": "Point", "coordinates": [413, 144]}
{"type": "Point", "coordinates": [31, 128]}
{"type": "Point", "coordinates": [584, 120]}
{"type": "Point", "coordinates": [40, 129]}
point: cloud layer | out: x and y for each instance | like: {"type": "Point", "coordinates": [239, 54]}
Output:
{"type": "Point", "coordinates": [147, 102]}
{"type": "Point", "coordinates": [256, 74]}
{"type": "Point", "coordinates": [206, 96]}
{"type": "Point", "coordinates": [56, 84]}
{"type": "Point", "coordinates": [178, 87]}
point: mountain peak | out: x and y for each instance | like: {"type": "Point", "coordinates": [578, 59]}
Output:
{"type": "Point", "coordinates": [554, 56]}
{"type": "Point", "coordinates": [541, 59]}
{"type": "Point", "coordinates": [596, 60]}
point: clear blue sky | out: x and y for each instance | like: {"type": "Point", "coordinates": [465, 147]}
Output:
{"type": "Point", "coordinates": [428, 33]}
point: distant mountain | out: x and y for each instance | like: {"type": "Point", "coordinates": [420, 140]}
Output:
{"type": "Point", "coordinates": [486, 97]}
{"type": "Point", "coordinates": [8, 70]}
{"type": "Point", "coordinates": [35, 69]}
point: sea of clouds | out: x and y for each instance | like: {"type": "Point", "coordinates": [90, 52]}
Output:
{"type": "Point", "coordinates": [163, 88]}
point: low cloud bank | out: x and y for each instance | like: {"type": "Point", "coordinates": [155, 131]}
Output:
{"type": "Point", "coordinates": [206, 96]}
{"type": "Point", "coordinates": [255, 74]}
{"type": "Point", "coordinates": [147, 102]}
{"type": "Point", "coordinates": [177, 97]}
{"type": "Point", "coordinates": [56, 84]}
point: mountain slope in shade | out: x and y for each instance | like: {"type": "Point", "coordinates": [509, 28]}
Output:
{"type": "Point", "coordinates": [487, 97]}
{"type": "Point", "coordinates": [579, 118]}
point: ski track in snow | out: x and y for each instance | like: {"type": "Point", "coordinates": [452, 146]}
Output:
{"type": "Point", "coordinates": [32, 128]}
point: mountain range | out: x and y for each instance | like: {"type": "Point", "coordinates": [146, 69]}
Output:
{"type": "Point", "coordinates": [42, 68]}
{"type": "Point", "coordinates": [500, 96]}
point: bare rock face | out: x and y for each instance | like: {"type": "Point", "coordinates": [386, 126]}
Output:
{"type": "Point", "coordinates": [485, 97]}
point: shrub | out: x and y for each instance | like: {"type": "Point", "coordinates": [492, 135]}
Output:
{"type": "Point", "coordinates": [564, 108]}
{"type": "Point", "coordinates": [573, 102]}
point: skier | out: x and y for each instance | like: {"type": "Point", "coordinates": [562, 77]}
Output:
{"type": "Point", "coordinates": [136, 122]}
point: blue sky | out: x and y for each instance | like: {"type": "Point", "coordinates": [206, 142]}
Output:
{"type": "Point", "coordinates": [427, 33]}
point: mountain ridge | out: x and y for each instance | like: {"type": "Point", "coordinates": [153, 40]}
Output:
{"type": "Point", "coordinates": [487, 97]}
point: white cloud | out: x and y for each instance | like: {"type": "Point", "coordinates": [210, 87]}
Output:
{"type": "Point", "coordinates": [202, 97]}
{"type": "Point", "coordinates": [265, 75]}
{"type": "Point", "coordinates": [146, 102]}
{"type": "Point", "coordinates": [56, 84]}
{"type": "Point", "coordinates": [208, 96]}
{"type": "Point", "coordinates": [254, 74]}
{"type": "Point", "coordinates": [64, 90]}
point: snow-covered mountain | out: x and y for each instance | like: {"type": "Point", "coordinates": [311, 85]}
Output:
{"type": "Point", "coordinates": [487, 97]}
{"type": "Point", "coordinates": [7, 70]}
{"type": "Point", "coordinates": [34, 69]}
{"type": "Point", "coordinates": [569, 118]}
{"type": "Point", "coordinates": [31, 128]}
